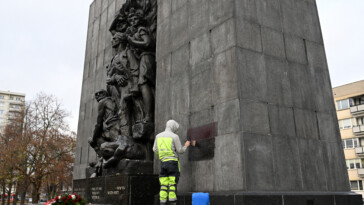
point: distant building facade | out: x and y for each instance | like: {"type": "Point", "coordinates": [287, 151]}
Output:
{"type": "Point", "coordinates": [349, 101]}
{"type": "Point", "coordinates": [10, 103]}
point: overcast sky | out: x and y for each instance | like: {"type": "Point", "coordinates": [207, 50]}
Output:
{"type": "Point", "coordinates": [42, 46]}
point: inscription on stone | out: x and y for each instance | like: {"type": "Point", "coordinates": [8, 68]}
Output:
{"type": "Point", "coordinates": [97, 190]}
{"type": "Point", "coordinates": [116, 189]}
{"type": "Point", "coordinates": [80, 187]}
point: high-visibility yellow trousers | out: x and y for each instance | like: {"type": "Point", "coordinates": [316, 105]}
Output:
{"type": "Point", "coordinates": [168, 179]}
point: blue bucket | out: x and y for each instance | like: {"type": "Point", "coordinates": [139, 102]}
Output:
{"type": "Point", "coordinates": [200, 199]}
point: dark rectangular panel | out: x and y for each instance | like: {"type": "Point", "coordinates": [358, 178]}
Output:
{"type": "Point", "coordinates": [205, 142]}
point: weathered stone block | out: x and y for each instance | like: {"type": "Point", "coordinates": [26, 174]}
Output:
{"type": "Point", "coordinates": [227, 116]}
{"type": "Point", "coordinates": [334, 158]}
{"type": "Point", "coordinates": [163, 38]}
{"type": "Point", "coordinates": [200, 67]}
{"type": "Point", "coordinates": [312, 29]}
{"type": "Point", "coordinates": [200, 49]}
{"type": "Point", "coordinates": [269, 14]}
{"type": "Point", "coordinates": [301, 84]}
{"type": "Point", "coordinates": [328, 127]}
{"type": "Point", "coordinates": [248, 35]}
{"type": "Point", "coordinates": [323, 97]}
{"type": "Point", "coordinates": [201, 90]}
{"type": "Point", "coordinates": [223, 36]}
{"type": "Point", "coordinates": [180, 96]}
{"type": "Point", "coordinates": [224, 77]}
{"type": "Point", "coordinates": [278, 82]}
{"type": "Point", "coordinates": [293, 18]}
{"type": "Point", "coordinates": [295, 49]}
{"type": "Point", "coordinates": [316, 55]}
{"type": "Point", "coordinates": [220, 10]}
{"type": "Point", "coordinates": [246, 9]}
{"type": "Point", "coordinates": [100, 62]}
{"type": "Point", "coordinates": [179, 27]}
{"type": "Point", "coordinates": [95, 38]}
{"type": "Point", "coordinates": [286, 171]}
{"type": "Point", "coordinates": [104, 5]}
{"type": "Point", "coordinates": [177, 4]}
{"type": "Point", "coordinates": [202, 117]}
{"type": "Point", "coordinates": [312, 162]}
{"type": "Point", "coordinates": [164, 10]}
{"type": "Point", "coordinates": [258, 157]}
{"type": "Point", "coordinates": [281, 121]}
{"type": "Point", "coordinates": [203, 178]}
{"type": "Point", "coordinates": [273, 43]}
{"type": "Point", "coordinates": [198, 18]}
{"type": "Point", "coordinates": [254, 117]}
{"type": "Point", "coordinates": [98, 8]}
{"type": "Point", "coordinates": [180, 62]}
{"type": "Point", "coordinates": [306, 124]}
{"type": "Point", "coordinates": [252, 75]}
{"type": "Point", "coordinates": [164, 69]}
{"type": "Point", "coordinates": [228, 160]}
{"type": "Point", "coordinates": [91, 17]}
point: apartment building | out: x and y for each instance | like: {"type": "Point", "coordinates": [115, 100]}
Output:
{"type": "Point", "coordinates": [349, 101]}
{"type": "Point", "coordinates": [10, 103]}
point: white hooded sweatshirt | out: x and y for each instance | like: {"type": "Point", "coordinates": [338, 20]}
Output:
{"type": "Point", "coordinates": [171, 128]}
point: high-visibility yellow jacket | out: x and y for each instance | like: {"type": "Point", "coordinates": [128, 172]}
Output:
{"type": "Point", "coordinates": [167, 144]}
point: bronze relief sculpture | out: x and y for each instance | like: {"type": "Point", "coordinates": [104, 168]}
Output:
{"type": "Point", "coordinates": [125, 123]}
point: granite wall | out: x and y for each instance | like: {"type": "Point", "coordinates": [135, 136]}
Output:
{"type": "Point", "coordinates": [258, 69]}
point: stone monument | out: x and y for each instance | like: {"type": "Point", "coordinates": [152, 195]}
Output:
{"type": "Point", "coordinates": [246, 79]}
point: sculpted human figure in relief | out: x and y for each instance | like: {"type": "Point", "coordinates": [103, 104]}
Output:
{"type": "Point", "coordinates": [125, 121]}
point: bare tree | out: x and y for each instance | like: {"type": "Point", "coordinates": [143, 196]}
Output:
{"type": "Point", "coordinates": [41, 145]}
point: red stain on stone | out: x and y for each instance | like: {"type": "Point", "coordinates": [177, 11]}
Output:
{"type": "Point", "coordinates": [202, 133]}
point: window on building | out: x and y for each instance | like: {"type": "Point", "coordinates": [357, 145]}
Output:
{"type": "Point", "coordinates": [15, 106]}
{"type": "Point", "coordinates": [2, 97]}
{"type": "Point", "coordinates": [2, 104]}
{"type": "Point", "coordinates": [356, 185]}
{"type": "Point", "coordinates": [18, 99]}
{"type": "Point", "coordinates": [11, 98]}
{"type": "Point", "coordinates": [350, 143]}
{"type": "Point", "coordinates": [345, 123]}
{"type": "Point", "coordinates": [360, 120]}
{"type": "Point", "coordinates": [358, 100]}
{"type": "Point", "coordinates": [343, 104]}
{"type": "Point", "coordinates": [1, 112]}
{"type": "Point", "coordinates": [353, 163]}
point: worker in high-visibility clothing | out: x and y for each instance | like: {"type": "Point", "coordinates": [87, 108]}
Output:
{"type": "Point", "coordinates": [167, 146]}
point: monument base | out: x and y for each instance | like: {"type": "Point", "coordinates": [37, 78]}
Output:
{"type": "Point", "coordinates": [125, 167]}
{"type": "Point", "coordinates": [121, 189]}
{"type": "Point", "coordinates": [269, 198]}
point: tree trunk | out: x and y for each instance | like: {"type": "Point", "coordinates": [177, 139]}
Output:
{"type": "Point", "coordinates": [9, 191]}
{"type": "Point", "coordinates": [35, 192]}
{"type": "Point", "coordinates": [23, 190]}
{"type": "Point", "coordinates": [23, 193]}
{"type": "Point", "coordinates": [15, 201]}
{"type": "Point", "coordinates": [4, 192]}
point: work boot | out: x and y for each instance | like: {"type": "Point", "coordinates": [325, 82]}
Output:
{"type": "Point", "coordinates": [173, 203]}
{"type": "Point", "coordinates": [163, 203]}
